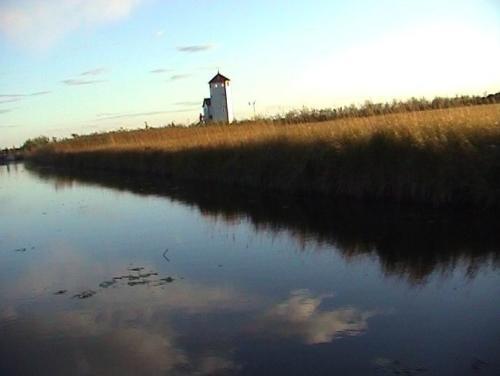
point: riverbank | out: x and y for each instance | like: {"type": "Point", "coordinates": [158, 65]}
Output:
{"type": "Point", "coordinates": [10, 156]}
{"type": "Point", "coordinates": [440, 157]}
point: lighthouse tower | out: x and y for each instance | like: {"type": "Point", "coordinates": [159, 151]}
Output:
{"type": "Point", "coordinates": [219, 107]}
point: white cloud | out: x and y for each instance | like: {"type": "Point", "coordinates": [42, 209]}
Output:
{"type": "Point", "coordinates": [151, 348]}
{"type": "Point", "coordinates": [39, 24]}
{"type": "Point", "coordinates": [38, 93]}
{"type": "Point", "coordinates": [160, 70]}
{"type": "Point", "coordinates": [93, 72]}
{"type": "Point", "coordinates": [77, 82]}
{"type": "Point", "coordinates": [179, 77]}
{"type": "Point", "coordinates": [113, 116]}
{"type": "Point", "coordinates": [86, 80]}
{"type": "Point", "coordinates": [195, 48]}
{"type": "Point", "coordinates": [300, 317]}
{"type": "Point", "coordinates": [9, 98]}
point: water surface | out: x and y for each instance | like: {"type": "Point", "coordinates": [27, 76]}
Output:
{"type": "Point", "coordinates": [114, 276]}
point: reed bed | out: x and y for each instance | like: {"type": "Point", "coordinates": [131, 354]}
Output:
{"type": "Point", "coordinates": [440, 157]}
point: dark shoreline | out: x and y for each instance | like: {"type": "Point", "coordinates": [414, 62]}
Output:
{"type": "Point", "coordinates": [10, 158]}
{"type": "Point", "coordinates": [472, 183]}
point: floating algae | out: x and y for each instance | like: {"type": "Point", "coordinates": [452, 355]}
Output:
{"type": "Point", "coordinates": [135, 283]}
{"type": "Point", "coordinates": [478, 364]}
{"type": "Point", "coordinates": [147, 275]}
{"type": "Point", "coordinates": [24, 249]}
{"type": "Point", "coordinates": [138, 269]}
{"type": "Point", "coordinates": [107, 284]}
{"type": "Point", "coordinates": [389, 366]}
{"type": "Point", "coordinates": [60, 292]}
{"type": "Point", "coordinates": [135, 279]}
{"type": "Point", "coordinates": [85, 294]}
{"type": "Point", "coordinates": [164, 281]}
{"type": "Point", "coordinates": [128, 276]}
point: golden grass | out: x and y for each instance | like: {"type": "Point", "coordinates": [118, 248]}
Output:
{"type": "Point", "coordinates": [439, 156]}
{"type": "Point", "coordinates": [426, 127]}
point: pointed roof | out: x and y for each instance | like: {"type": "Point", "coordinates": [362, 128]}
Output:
{"type": "Point", "coordinates": [218, 78]}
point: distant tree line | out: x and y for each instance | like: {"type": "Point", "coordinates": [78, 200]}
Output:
{"type": "Point", "coordinates": [10, 154]}
{"type": "Point", "coordinates": [33, 143]}
{"type": "Point", "coordinates": [369, 108]}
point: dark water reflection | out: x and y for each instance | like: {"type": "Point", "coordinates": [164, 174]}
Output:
{"type": "Point", "coordinates": [409, 242]}
{"type": "Point", "coordinates": [250, 284]}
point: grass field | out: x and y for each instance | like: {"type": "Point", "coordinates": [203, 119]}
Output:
{"type": "Point", "coordinates": [440, 157]}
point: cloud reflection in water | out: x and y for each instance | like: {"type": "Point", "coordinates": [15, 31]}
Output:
{"type": "Point", "coordinates": [300, 316]}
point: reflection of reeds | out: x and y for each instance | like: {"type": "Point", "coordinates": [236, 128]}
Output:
{"type": "Point", "coordinates": [411, 242]}
{"type": "Point", "coordinates": [441, 156]}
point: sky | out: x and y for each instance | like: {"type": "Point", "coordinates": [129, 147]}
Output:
{"type": "Point", "coordinates": [84, 66]}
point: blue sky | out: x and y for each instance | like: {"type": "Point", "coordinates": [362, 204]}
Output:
{"type": "Point", "coordinates": [81, 66]}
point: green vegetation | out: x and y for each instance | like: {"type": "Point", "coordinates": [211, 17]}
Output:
{"type": "Point", "coordinates": [440, 157]}
{"type": "Point", "coordinates": [34, 143]}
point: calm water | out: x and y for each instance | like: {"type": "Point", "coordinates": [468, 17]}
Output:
{"type": "Point", "coordinates": [119, 277]}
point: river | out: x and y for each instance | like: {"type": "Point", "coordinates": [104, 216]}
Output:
{"type": "Point", "coordinates": [118, 276]}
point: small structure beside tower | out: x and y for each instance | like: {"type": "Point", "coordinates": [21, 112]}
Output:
{"type": "Point", "coordinates": [219, 107]}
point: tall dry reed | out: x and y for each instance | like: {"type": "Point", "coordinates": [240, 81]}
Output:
{"type": "Point", "coordinates": [449, 156]}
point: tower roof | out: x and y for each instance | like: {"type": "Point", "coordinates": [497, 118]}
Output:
{"type": "Point", "coordinates": [218, 78]}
